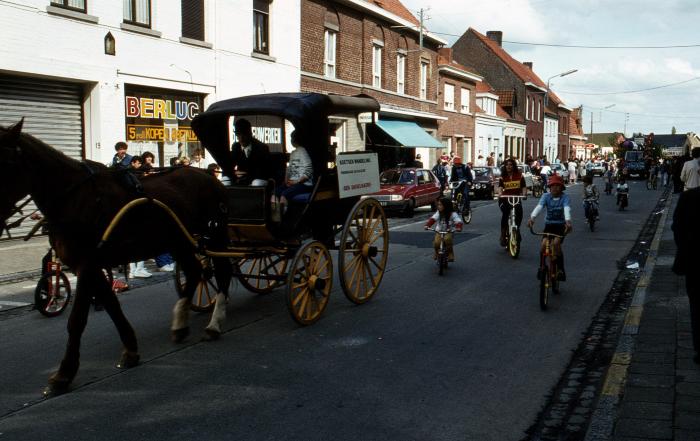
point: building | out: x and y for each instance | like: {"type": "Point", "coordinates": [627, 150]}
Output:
{"type": "Point", "coordinates": [563, 114]}
{"type": "Point", "coordinates": [515, 129]}
{"type": "Point", "coordinates": [456, 103]}
{"type": "Point", "coordinates": [374, 48]}
{"type": "Point", "coordinates": [674, 145]}
{"type": "Point", "coordinates": [490, 124]}
{"type": "Point", "coordinates": [577, 140]}
{"type": "Point", "coordinates": [503, 72]}
{"type": "Point", "coordinates": [88, 74]}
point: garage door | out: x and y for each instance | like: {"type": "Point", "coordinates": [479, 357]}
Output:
{"type": "Point", "coordinates": [52, 112]}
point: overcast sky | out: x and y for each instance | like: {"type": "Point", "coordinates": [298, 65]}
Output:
{"type": "Point", "coordinates": [597, 23]}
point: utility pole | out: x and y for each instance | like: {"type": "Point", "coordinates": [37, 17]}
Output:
{"type": "Point", "coordinates": [627, 117]}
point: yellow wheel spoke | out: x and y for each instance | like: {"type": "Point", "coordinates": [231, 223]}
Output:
{"type": "Point", "coordinates": [304, 302]}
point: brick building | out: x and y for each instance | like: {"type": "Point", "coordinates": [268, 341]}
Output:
{"type": "Point", "coordinates": [456, 103]}
{"type": "Point", "coordinates": [557, 106]}
{"type": "Point", "coordinates": [576, 136]}
{"type": "Point", "coordinates": [515, 129]}
{"type": "Point", "coordinates": [503, 72]}
{"type": "Point", "coordinates": [372, 47]}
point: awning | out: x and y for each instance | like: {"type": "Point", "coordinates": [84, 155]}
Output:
{"type": "Point", "coordinates": [408, 134]}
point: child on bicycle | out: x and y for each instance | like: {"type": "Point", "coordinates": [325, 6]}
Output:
{"type": "Point", "coordinates": [623, 188]}
{"type": "Point", "coordinates": [511, 183]}
{"type": "Point", "coordinates": [444, 219]}
{"type": "Point", "coordinates": [558, 218]}
{"type": "Point", "coordinates": [590, 196]}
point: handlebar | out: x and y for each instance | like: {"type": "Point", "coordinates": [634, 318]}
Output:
{"type": "Point", "coordinates": [512, 199]}
{"type": "Point", "coordinates": [544, 234]}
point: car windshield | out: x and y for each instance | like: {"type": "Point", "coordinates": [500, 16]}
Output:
{"type": "Point", "coordinates": [633, 155]}
{"type": "Point", "coordinates": [481, 171]}
{"type": "Point", "coordinates": [393, 177]}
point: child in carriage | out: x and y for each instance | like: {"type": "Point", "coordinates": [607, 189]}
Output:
{"type": "Point", "coordinates": [444, 219]}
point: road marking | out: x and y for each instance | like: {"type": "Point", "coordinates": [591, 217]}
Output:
{"type": "Point", "coordinates": [9, 304]}
{"type": "Point", "coordinates": [617, 373]}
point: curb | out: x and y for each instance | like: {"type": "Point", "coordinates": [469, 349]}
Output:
{"type": "Point", "coordinates": [604, 415]}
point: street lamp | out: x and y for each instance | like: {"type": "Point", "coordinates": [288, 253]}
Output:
{"type": "Point", "coordinates": [563, 74]}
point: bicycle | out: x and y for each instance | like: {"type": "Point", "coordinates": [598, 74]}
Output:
{"type": "Point", "coordinates": [462, 206]}
{"type": "Point", "coordinates": [513, 233]}
{"type": "Point", "coordinates": [442, 256]}
{"type": "Point", "coordinates": [548, 271]}
{"type": "Point", "coordinates": [651, 182]}
{"type": "Point", "coordinates": [591, 210]}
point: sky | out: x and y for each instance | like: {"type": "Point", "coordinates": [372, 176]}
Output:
{"type": "Point", "coordinates": [602, 73]}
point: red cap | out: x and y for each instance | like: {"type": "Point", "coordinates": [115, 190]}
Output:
{"type": "Point", "coordinates": [555, 180]}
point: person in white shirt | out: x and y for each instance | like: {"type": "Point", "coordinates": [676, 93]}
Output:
{"type": "Point", "coordinates": [299, 176]}
{"type": "Point", "coordinates": [690, 175]}
{"type": "Point", "coordinates": [198, 160]}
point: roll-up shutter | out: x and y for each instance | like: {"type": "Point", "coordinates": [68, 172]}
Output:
{"type": "Point", "coordinates": [52, 112]}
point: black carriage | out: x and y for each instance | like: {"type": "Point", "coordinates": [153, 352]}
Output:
{"type": "Point", "coordinates": [294, 250]}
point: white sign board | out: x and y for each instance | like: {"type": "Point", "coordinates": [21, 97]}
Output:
{"type": "Point", "coordinates": [358, 174]}
{"type": "Point", "coordinates": [364, 117]}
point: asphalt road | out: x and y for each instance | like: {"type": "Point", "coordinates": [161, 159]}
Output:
{"type": "Point", "coordinates": [468, 355]}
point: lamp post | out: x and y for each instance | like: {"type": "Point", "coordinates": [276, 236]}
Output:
{"type": "Point", "coordinates": [563, 74]}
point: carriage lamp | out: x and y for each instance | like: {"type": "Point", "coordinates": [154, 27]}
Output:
{"type": "Point", "coordinates": [110, 44]}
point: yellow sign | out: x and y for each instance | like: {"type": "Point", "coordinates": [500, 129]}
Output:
{"type": "Point", "coordinates": [138, 132]}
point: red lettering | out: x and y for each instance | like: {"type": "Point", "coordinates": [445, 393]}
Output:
{"type": "Point", "coordinates": [132, 107]}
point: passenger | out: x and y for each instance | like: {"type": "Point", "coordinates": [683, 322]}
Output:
{"type": "Point", "coordinates": [299, 177]}
{"type": "Point", "coordinates": [249, 156]}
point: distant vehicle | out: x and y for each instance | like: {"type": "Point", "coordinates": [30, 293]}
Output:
{"type": "Point", "coordinates": [559, 169]}
{"type": "Point", "coordinates": [634, 162]}
{"type": "Point", "coordinates": [595, 168]}
{"type": "Point", "coordinates": [485, 182]}
{"type": "Point", "coordinates": [527, 174]}
{"type": "Point", "coordinates": [405, 189]}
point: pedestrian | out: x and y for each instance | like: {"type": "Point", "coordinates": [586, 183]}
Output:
{"type": "Point", "coordinates": [572, 171]}
{"type": "Point", "coordinates": [685, 233]}
{"type": "Point", "coordinates": [198, 159]}
{"type": "Point", "coordinates": [440, 172]}
{"type": "Point", "coordinates": [491, 160]}
{"type": "Point", "coordinates": [690, 174]}
{"type": "Point", "coordinates": [121, 159]}
{"type": "Point", "coordinates": [418, 163]}
{"type": "Point", "coordinates": [676, 172]}
{"type": "Point", "coordinates": [665, 168]}
{"type": "Point", "coordinates": [499, 163]}
{"type": "Point", "coordinates": [148, 162]}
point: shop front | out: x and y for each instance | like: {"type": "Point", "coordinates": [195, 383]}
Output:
{"type": "Point", "coordinates": [397, 142]}
{"type": "Point", "coordinates": [160, 121]}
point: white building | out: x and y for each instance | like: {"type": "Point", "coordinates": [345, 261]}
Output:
{"type": "Point", "coordinates": [488, 125]}
{"type": "Point", "coordinates": [514, 134]}
{"type": "Point", "coordinates": [86, 73]}
{"type": "Point", "coordinates": [551, 137]}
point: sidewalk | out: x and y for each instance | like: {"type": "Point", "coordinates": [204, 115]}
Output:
{"type": "Point", "coordinates": [652, 389]}
{"type": "Point", "coordinates": [22, 260]}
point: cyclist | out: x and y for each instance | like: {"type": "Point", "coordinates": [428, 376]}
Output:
{"type": "Point", "coordinates": [557, 220]}
{"type": "Point", "coordinates": [461, 173]}
{"type": "Point", "coordinates": [653, 173]}
{"type": "Point", "coordinates": [511, 183]}
{"type": "Point", "coordinates": [446, 220]}
{"type": "Point", "coordinates": [590, 195]}
{"type": "Point", "coordinates": [622, 190]}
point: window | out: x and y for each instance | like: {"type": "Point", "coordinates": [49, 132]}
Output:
{"type": "Point", "coordinates": [423, 80]}
{"type": "Point", "coordinates": [527, 109]}
{"type": "Point", "coordinates": [193, 19]}
{"type": "Point", "coordinates": [464, 101]}
{"type": "Point", "coordinates": [74, 5]}
{"type": "Point", "coordinates": [138, 12]}
{"type": "Point", "coordinates": [449, 97]}
{"type": "Point", "coordinates": [401, 73]}
{"type": "Point", "coordinates": [539, 115]}
{"type": "Point", "coordinates": [329, 57]}
{"type": "Point", "coordinates": [261, 23]}
{"type": "Point", "coordinates": [376, 66]}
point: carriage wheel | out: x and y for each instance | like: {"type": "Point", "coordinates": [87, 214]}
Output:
{"type": "Point", "coordinates": [364, 248]}
{"type": "Point", "coordinates": [309, 282]}
{"type": "Point", "coordinates": [271, 264]}
{"type": "Point", "coordinates": [206, 290]}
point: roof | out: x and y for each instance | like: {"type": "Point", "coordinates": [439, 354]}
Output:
{"type": "Point", "coordinates": [484, 87]}
{"type": "Point", "coordinates": [523, 72]}
{"type": "Point", "coordinates": [444, 61]}
{"type": "Point", "coordinates": [670, 140]}
{"type": "Point", "coordinates": [397, 8]}
{"type": "Point", "coordinates": [506, 97]}
{"type": "Point", "coordinates": [500, 111]}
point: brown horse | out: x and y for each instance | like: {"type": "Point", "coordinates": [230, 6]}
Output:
{"type": "Point", "coordinates": [80, 199]}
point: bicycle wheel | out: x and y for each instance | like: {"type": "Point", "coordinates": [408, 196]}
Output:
{"type": "Point", "coordinates": [514, 243]}
{"type": "Point", "coordinates": [466, 215]}
{"type": "Point", "coordinates": [544, 286]}
{"type": "Point", "coordinates": [591, 219]}
{"type": "Point", "coordinates": [52, 294]}
{"type": "Point", "coordinates": [442, 261]}
{"type": "Point", "coordinates": [554, 278]}
{"type": "Point", "coordinates": [649, 184]}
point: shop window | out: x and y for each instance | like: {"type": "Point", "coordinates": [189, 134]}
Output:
{"type": "Point", "coordinates": [329, 57]}
{"type": "Point", "coordinates": [377, 66]}
{"type": "Point", "coordinates": [261, 26]}
{"type": "Point", "coordinates": [193, 19]}
{"type": "Point", "coordinates": [401, 73]}
{"type": "Point", "coordinates": [138, 12]}
{"type": "Point", "coordinates": [73, 5]}
{"type": "Point", "coordinates": [449, 97]}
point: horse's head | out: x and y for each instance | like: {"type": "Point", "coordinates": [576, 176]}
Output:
{"type": "Point", "coordinates": [14, 180]}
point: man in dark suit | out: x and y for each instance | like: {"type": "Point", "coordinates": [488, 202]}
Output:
{"type": "Point", "coordinates": [685, 233]}
{"type": "Point", "coordinates": [250, 157]}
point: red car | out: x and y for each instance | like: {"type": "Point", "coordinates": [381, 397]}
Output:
{"type": "Point", "coordinates": [405, 189]}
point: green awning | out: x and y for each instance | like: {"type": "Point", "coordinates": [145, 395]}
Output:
{"type": "Point", "coordinates": [408, 134]}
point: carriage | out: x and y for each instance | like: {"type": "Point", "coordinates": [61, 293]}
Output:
{"type": "Point", "coordinates": [294, 251]}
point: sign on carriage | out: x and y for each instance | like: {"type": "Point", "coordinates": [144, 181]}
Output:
{"type": "Point", "coordinates": [358, 173]}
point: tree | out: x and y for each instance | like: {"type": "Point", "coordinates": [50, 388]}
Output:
{"type": "Point", "coordinates": [673, 130]}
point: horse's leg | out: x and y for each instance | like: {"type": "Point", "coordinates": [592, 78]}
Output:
{"type": "Point", "coordinates": [192, 269]}
{"type": "Point", "coordinates": [60, 380]}
{"type": "Point", "coordinates": [222, 273]}
{"type": "Point", "coordinates": [130, 353]}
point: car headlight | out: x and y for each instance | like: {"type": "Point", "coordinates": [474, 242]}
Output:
{"type": "Point", "coordinates": [396, 197]}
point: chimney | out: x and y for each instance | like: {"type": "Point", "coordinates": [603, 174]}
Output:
{"type": "Point", "coordinates": [496, 36]}
{"type": "Point", "coordinates": [528, 64]}
{"type": "Point", "coordinates": [445, 52]}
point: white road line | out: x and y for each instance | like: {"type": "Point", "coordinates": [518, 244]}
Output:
{"type": "Point", "coordinates": [4, 303]}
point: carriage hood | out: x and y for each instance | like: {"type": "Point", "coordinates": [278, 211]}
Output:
{"type": "Point", "coordinates": [306, 111]}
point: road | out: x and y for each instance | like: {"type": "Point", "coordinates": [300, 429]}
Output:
{"type": "Point", "coordinates": [468, 355]}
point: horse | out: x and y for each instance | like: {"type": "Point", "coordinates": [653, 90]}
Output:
{"type": "Point", "coordinates": [80, 199]}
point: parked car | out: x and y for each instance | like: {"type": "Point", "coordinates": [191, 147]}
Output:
{"type": "Point", "coordinates": [595, 168]}
{"type": "Point", "coordinates": [485, 182]}
{"type": "Point", "coordinates": [405, 189]}
{"type": "Point", "coordinates": [527, 174]}
{"type": "Point", "coordinates": [559, 169]}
